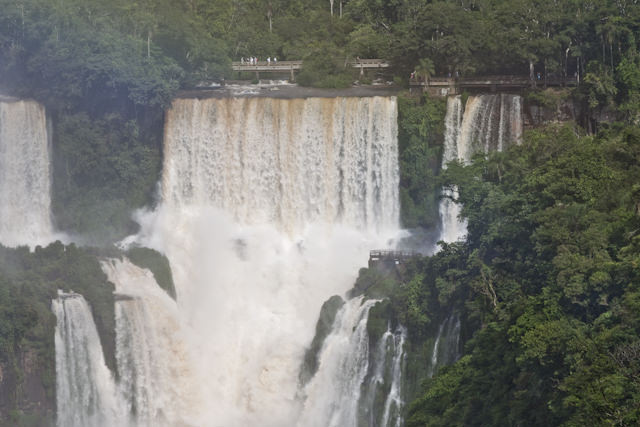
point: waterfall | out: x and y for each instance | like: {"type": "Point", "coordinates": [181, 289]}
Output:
{"type": "Point", "coordinates": [356, 384]}
{"type": "Point", "coordinates": [269, 207]}
{"type": "Point", "coordinates": [449, 351]}
{"type": "Point", "coordinates": [489, 123]}
{"type": "Point", "coordinates": [452, 229]}
{"type": "Point", "coordinates": [156, 379]}
{"type": "Point", "coordinates": [332, 394]}
{"type": "Point", "coordinates": [285, 162]}
{"type": "Point", "coordinates": [86, 393]}
{"type": "Point", "coordinates": [392, 416]}
{"type": "Point", "coordinates": [25, 175]}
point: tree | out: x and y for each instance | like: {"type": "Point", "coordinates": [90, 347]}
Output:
{"type": "Point", "coordinates": [425, 69]}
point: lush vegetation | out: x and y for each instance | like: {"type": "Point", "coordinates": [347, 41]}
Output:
{"type": "Point", "coordinates": [155, 262]}
{"type": "Point", "coordinates": [420, 138]}
{"type": "Point", "coordinates": [547, 285]}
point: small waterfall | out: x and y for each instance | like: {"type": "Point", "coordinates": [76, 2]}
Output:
{"type": "Point", "coordinates": [381, 403]}
{"type": "Point", "coordinates": [434, 353]}
{"type": "Point", "coordinates": [356, 385]}
{"type": "Point", "coordinates": [452, 229]}
{"type": "Point", "coordinates": [332, 394]}
{"type": "Point", "coordinates": [156, 379]}
{"type": "Point", "coordinates": [392, 416]}
{"type": "Point", "coordinates": [86, 393]}
{"type": "Point", "coordinates": [446, 347]}
{"type": "Point", "coordinates": [25, 175]}
{"type": "Point", "coordinates": [489, 123]}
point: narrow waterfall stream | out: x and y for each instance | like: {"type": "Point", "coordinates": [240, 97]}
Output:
{"type": "Point", "coordinates": [446, 347]}
{"type": "Point", "coordinates": [394, 403]}
{"type": "Point", "coordinates": [25, 174]}
{"type": "Point", "coordinates": [86, 393]}
{"type": "Point", "coordinates": [333, 393]}
{"type": "Point", "coordinates": [489, 123]}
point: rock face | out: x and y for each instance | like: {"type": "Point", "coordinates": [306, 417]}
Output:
{"type": "Point", "coordinates": [26, 393]}
{"type": "Point", "coordinates": [558, 111]}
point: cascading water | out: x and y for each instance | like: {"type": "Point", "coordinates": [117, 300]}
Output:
{"type": "Point", "coordinates": [392, 415]}
{"type": "Point", "coordinates": [156, 379]}
{"type": "Point", "coordinates": [269, 207]}
{"type": "Point", "coordinates": [25, 184]}
{"type": "Point", "coordinates": [489, 123]}
{"type": "Point", "coordinates": [285, 162]}
{"type": "Point", "coordinates": [385, 383]}
{"type": "Point", "coordinates": [446, 347]}
{"type": "Point", "coordinates": [333, 393]}
{"type": "Point", "coordinates": [452, 229]}
{"type": "Point", "coordinates": [86, 393]}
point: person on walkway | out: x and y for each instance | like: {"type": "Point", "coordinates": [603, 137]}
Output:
{"type": "Point", "coordinates": [268, 60]}
{"type": "Point", "coordinates": [275, 61]}
{"type": "Point", "coordinates": [242, 60]}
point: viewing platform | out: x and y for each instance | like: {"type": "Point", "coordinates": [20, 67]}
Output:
{"type": "Point", "coordinates": [293, 66]}
{"type": "Point", "coordinates": [390, 257]}
{"type": "Point", "coordinates": [444, 86]}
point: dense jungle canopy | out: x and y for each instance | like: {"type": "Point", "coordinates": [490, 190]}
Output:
{"type": "Point", "coordinates": [75, 50]}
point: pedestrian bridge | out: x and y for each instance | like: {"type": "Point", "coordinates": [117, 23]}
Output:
{"type": "Point", "coordinates": [292, 66]}
{"type": "Point", "coordinates": [443, 86]}
{"type": "Point", "coordinates": [391, 257]}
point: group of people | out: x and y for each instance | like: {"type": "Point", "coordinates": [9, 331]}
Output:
{"type": "Point", "coordinates": [252, 60]}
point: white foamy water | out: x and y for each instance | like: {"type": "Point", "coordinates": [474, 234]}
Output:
{"type": "Point", "coordinates": [489, 123]}
{"type": "Point", "coordinates": [333, 394]}
{"type": "Point", "coordinates": [156, 380]}
{"type": "Point", "coordinates": [288, 163]}
{"type": "Point", "coordinates": [25, 174]}
{"type": "Point", "coordinates": [393, 405]}
{"type": "Point", "coordinates": [269, 207]}
{"type": "Point", "coordinates": [86, 393]}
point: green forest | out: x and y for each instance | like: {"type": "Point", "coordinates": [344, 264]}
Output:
{"type": "Point", "coordinates": [547, 282]}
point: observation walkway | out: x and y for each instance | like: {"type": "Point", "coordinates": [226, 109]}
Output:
{"type": "Point", "coordinates": [390, 257]}
{"type": "Point", "coordinates": [292, 66]}
{"type": "Point", "coordinates": [443, 86]}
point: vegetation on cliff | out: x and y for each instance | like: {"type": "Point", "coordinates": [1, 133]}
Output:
{"type": "Point", "coordinates": [548, 280]}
